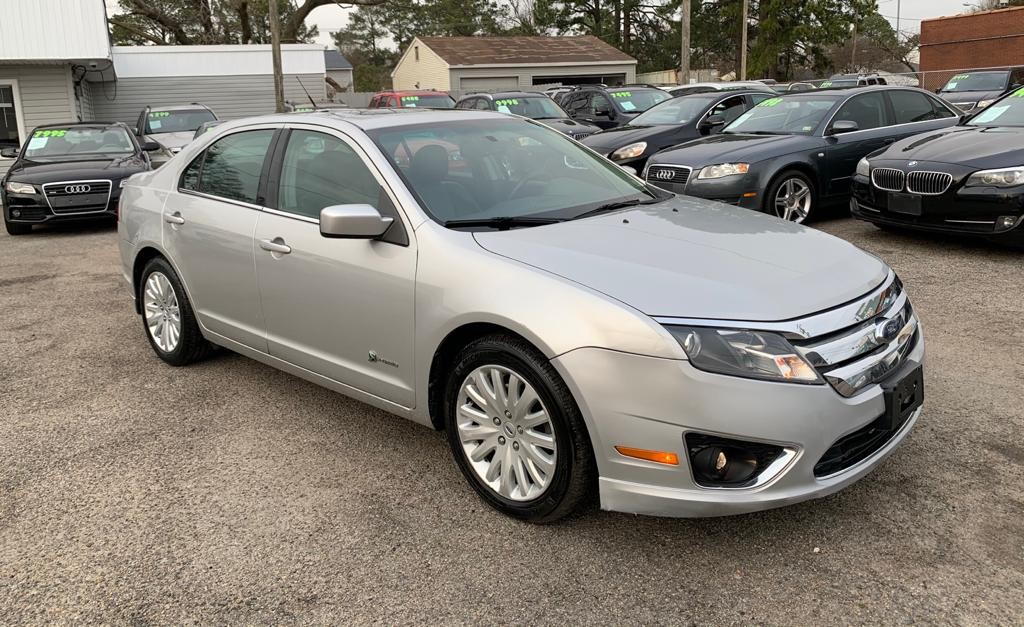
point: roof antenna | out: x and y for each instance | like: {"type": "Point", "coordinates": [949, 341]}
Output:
{"type": "Point", "coordinates": [311, 101]}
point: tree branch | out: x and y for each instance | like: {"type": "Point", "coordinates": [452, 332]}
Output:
{"type": "Point", "coordinates": [144, 9]}
{"type": "Point", "coordinates": [135, 31]}
{"type": "Point", "coordinates": [290, 32]}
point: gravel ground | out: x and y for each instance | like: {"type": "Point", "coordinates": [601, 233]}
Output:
{"type": "Point", "coordinates": [228, 492]}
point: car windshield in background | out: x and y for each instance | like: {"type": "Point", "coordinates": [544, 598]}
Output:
{"type": "Point", "coordinates": [176, 121]}
{"type": "Point", "coordinates": [78, 143]}
{"type": "Point", "coordinates": [503, 169]}
{"type": "Point", "coordinates": [839, 82]}
{"type": "Point", "coordinates": [977, 81]}
{"type": "Point", "coordinates": [534, 107]}
{"type": "Point", "coordinates": [636, 100]}
{"type": "Point", "coordinates": [429, 101]}
{"type": "Point", "coordinates": [1007, 112]}
{"type": "Point", "coordinates": [792, 115]}
{"type": "Point", "coordinates": [674, 110]}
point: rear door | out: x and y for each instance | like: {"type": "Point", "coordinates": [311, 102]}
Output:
{"type": "Point", "coordinates": [871, 112]}
{"type": "Point", "coordinates": [208, 232]}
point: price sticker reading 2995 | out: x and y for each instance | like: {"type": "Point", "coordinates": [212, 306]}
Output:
{"type": "Point", "coordinates": [50, 133]}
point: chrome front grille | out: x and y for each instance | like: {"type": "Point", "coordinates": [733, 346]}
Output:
{"type": "Point", "coordinates": [678, 175]}
{"type": "Point", "coordinates": [928, 183]}
{"type": "Point", "coordinates": [888, 179]}
{"type": "Point", "coordinates": [579, 136]}
{"type": "Point", "coordinates": [72, 197]}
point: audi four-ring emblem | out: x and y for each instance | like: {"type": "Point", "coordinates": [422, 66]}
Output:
{"type": "Point", "coordinates": [664, 175]}
{"type": "Point", "coordinates": [76, 189]}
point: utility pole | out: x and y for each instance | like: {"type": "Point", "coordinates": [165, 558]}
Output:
{"type": "Point", "coordinates": [275, 48]}
{"type": "Point", "coordinates": [897, 22]}
{"type": "Point", "coordinates": [684, 49]}
{"type": "Point", "coordinates": [743, 42]}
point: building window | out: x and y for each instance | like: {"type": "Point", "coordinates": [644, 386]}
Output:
{"type": "Point", "coordinates": [10, 136]}
{"type": "Point", "coordinates": [416, 51]}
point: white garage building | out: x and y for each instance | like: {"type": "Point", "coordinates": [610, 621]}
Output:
{"type": "Point", "coordinates": [462, 64]}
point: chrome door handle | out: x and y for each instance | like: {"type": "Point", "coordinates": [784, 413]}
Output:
{"type": "Point", "coordinates": [276, 245]}
{"type": "Point", "coordinates": [174, 218]}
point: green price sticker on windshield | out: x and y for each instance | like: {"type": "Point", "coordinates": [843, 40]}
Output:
{"type": "Point", "coordinates": [1019, 93]}
{"type": "Point", "coordinates": [506, 102]}
{"type": "Point", "coordinates": [771, 102]}
{"type": "Point", "coordinates": [159, 114]}
{"type": "Point", "coordinates": [825, 84]}
{"type": "Point", "coordinates": [410, 98]}
{"type": "Point", "coordinates": [960, 77]}
{"type": "Point", "coordinates": [622, 94]}
{"type": "Point", "coordinates": [50, 133]}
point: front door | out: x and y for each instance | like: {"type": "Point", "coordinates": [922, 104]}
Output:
{"type": "Point", "coordinates": [208, 225]}
{"type": "Point", "coordinates": [872, 116]}
{"type": "Point", "coordinates": [342, 308]}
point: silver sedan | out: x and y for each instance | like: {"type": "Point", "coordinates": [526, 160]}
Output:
{"type": "Point", "coordinates": [575, 332]}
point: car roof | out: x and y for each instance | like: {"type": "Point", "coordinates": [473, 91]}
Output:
{"type": "Point", "coordinates": [506, 94]}
{"type": "Point", "coordinates": [370, 119]}
{"type": "Point", "coordinates": [411, 92]}
{"type": "Point", "coordinates": [855, 89]}
{"type": "Point", "coordinates": [185, 107]}
{"type": "Point", "coordinates": [83, 125]}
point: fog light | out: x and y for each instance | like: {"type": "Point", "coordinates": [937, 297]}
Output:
{"type": "Point", "coordinates": [15, 213]}
{"type": "Point", "coordinates": [727, 463]}
{"type": "Point", "coordinates": [1005, 223]}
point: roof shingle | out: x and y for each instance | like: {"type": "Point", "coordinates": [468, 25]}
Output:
{"type": "Point", "coordinates": [523, 50]}
{"type": "Point", "coordinates": [334, 60]}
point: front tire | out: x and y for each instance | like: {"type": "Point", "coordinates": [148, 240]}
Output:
{"type": "Point", "coordinates": [167, 316]}
{"type": "Point", "coordinates": [791, 197]}
{"type": "Point", "coordinates": [516, 432]}
{"type": "Point", "coordinates": [14, 228]}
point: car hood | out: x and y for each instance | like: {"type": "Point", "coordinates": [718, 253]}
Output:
{"type": "Point", "coordinates": [973, 146]}
{"type": "Point", "coordinates": [728, 147]}
{"type": "Point", "coordinates": [693, 258]}
{"type": "Point", "coordinates": [39, 172]}
{"type": "Point", "coordinates": [616, 138]}
{"type": "Point", "coordinates": [569, 127]}
{"type": "Point", "coordinates": [173, 140]}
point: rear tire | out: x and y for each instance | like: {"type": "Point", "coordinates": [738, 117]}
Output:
{"type": "Point", "coordinates": [537, 434]}
{"type": "Point", "coordinates": [167, 316]}
{"type": "Point", "coordinates": [14, 228]}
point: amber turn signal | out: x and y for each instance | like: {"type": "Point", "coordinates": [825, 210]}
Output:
{"type": "Point", "coordinates": [660, 457]}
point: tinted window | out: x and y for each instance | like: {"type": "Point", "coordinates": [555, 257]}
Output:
{"type": "Point", "coordinates": [79, 143]}
{"type": "Point", "coordinates": [729, 109]}
{"type": "Point", "coordinates": [867, 110]}
{"type": "Point", "coordinates": [637, 100]}
{"type": "Point", "coordinates": [674, 111]}
{"type": "Point", "coordinates": [232, 166]}
{"type": "Point", "coordinates": [320, 170]}
{"type": "Point", "coordinates": [577, 103]}
{"type": "Point", "coordinates": [176, 121]}
{"type": "Point", "coordinates": [468, 103]}
{"type": "Point", "coordinates": [799, 114]}
{"type": "Point", "coordinates": [913, 106]}
{"type": "Point", "coordinates": [599, 104]}
{"type": "Point", "coordinates": [977, 81]}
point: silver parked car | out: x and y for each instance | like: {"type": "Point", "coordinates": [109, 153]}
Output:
{"type": "Point", "coordinates": [573, 330]}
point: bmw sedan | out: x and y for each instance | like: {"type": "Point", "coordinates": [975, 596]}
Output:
{"type": "Point", "coordinates": [965, 179]}
{"type": "Point", "coordinates": [672, 122]}
{"type": "Point", "coordinates": [792, 153]}
{"type": "Point", "coordinates": [573, 331]}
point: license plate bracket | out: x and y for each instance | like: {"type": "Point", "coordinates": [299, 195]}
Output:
{"type": "Point", "coordinates": [908, 204]}
{"type": "Point", "coordinates": [903, 394]}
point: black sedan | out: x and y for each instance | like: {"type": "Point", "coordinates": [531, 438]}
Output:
{"type": "Point", "coordinates": [673, 122]}
{"type": "Point", "coordinates": [791, 153]}
{"type": "Point", "coordinates": [69, 172]}
{"type": "Point", "coordinates": [965, 179]}
{"type": "Point", "coordinates": [533, 105]}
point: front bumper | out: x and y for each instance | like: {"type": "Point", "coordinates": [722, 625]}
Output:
{"type": "Point", "coordinates": [651, 403]}
{"type": "Point", "coordinates": [740, 190]}
{"type": "Point", "coordinates": [33, 209]}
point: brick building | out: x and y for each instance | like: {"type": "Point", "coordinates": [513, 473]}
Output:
{"type": "Point", "coordinates": [971, 40]}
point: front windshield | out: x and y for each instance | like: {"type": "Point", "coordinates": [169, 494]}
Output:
{"type": "Point", "coordinates": [176, 121]}
{"type": "Point", "coordinates": [980, 81]}
{"type": "Point", "coordinates": [798, 115]}
{"type": "Point", "coordinates": [534, 107]}
{"type": "Point", "coordinates": [507, 168]}
{"type": "Point", "coordinates": [1007, 112]}
{"type": "Point", "coordinates": [637, 100]}
{"type": "Point", "coordinates": [429, 101]}
{"type": "Point", "coordinates": [674, 111]}
{"type": "Point", "coordinates": [79, 143]}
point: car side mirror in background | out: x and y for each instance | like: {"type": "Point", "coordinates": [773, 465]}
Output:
{"type": "Point", "coordinates": [9, 153]}
{"type": "Point", "coordinates": [353, 222]}
{"type": "Point", "coordinates": [629, 169]}
{"type": "Point", "coordinates": [843, 126]}
{"type": "Point", "coordinates": [602, 113]}
{"type": "Point", "coordinates": [712, 122]}
{"type": "Point", "coordinates": [150, 146]}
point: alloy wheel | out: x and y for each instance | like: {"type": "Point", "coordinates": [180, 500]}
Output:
{"type": "Point", "coordinates": [793, 200]}
{"type": "Point", "coordinates": [506, 433]}
{"type": "Point", "coordinates": [163, 316]}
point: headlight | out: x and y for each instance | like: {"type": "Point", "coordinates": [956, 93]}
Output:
{"type": "Point", "coordinates": [629, 152]}
{"type": "Point", "coordinates": [1003, 177]}
{"type": "Point", "coordinates": [20, 188]}
{"type": "Point", "coordinates": [739, 353]}
{"type": "Point", "coordinates": [723, 169]}
{"type": "Point", "coordinates": [863, 167]}
{"type": "Point", "coordinates": [984, 103]}
{"type": "Point", "coordinates": [121, 184]}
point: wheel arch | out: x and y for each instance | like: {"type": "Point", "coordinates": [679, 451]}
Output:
{"type": "Point", "coordinates": [804, 168]}
{"type": "Point", "coordinates": [145, 254]}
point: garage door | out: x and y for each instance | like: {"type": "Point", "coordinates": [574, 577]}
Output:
{"type": "Point", "coordinates": [489, 82]}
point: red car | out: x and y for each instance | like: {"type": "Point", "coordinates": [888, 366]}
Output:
{"type": "Point", "coordinates": [411, 99]}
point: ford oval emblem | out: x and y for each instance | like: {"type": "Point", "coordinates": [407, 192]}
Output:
{"type": "Point", "coordinates": [887, 329]}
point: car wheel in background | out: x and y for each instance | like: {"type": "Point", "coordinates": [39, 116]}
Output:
{"type": "Point", "coordinates": [516, 432]}
{"type": "Point", "coordinates": [791, 197]}
{"type": "Point", "coordinates": [13, 228]}
{"type": "Point", "coordinates": [167, 316]}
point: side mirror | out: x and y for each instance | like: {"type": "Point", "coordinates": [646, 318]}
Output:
{"type": "Point", "coordinates": [712, 122]}
{"type": "Point", "coordinates": [9, 153]}
{"type": "Point", "coordinates": [602, 113]}
{"type": "Point", "coordinates": [353, 222]}
{"type": "Point", "coordinates": [629, 169]}
{"type": "Point", "coordinates": [843, 126]}
{"type": "Point", "coordinates": [150, 146]}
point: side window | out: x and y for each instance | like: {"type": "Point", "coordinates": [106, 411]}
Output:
{"type": "Point", "coordinates": [577, 104]}
{"type": "Point", "coordinates": [912, 106]}
{"type": "Point", "coordinates": [233, 165]}
{"type": "Point", "coordinates": [483, 104]}
{"type": "Point", "coordinates": [190, 177]}
{"type": "Point", "coordinates": [867, 110]}
{"type": "Point", "coordinates": [1017, 77]}
{"type": "Point", "coordinates": [320, 170]}
{"type": "Point", "coordinates": [373, 102]}
{"type": "Point", "coordinates": [465, 104]}
{"type": "Point", "coordinates": [757, 98]}
{"type": "Point", "coordinates": [599, 103]}
{"type": "Point", "coordinates": [730, 108]}
{"type": "Point", "coordinates": [392, 101]}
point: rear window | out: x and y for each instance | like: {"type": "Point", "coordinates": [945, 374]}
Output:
{"type": "Point", "coordinates": [176, 121]}
{"type": "Point", "coordinates": [637, 100]}
{"type": "Point", "coordinates": [429, 101]}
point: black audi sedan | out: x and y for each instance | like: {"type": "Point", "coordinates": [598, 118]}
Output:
{"type": "Point", "coordinates": [964, 179]}
{"type": "Point", "coordinates": [69, 172]}
{"type": "Point", "coordinates": [533, 105]}
{"type": "Point", "coordinates": [608, 107]}
{"type": "Point", "coordinates": [673, 122]}
{"type": "Point", "coordinates": [793, 153]}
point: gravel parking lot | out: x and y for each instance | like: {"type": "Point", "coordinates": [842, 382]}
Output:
{"type": "Point", "coordinates": [228, 492]}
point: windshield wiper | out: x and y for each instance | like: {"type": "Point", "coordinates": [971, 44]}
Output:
{"type": "Point", "coordinates": [619, 204]}
{"type": "Point", "coordinates": [503, 222]}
